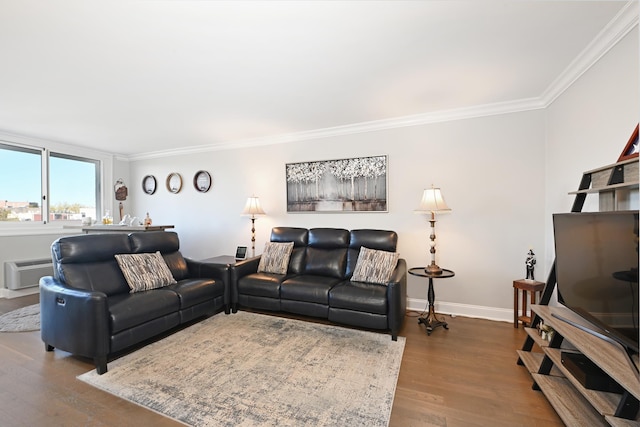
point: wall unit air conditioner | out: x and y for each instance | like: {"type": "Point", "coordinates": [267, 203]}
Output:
{"type": "Point", "coordinates": [26, 274]}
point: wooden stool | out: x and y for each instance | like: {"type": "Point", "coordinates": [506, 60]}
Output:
{"type": "Point", "coordinates": [525, 285]}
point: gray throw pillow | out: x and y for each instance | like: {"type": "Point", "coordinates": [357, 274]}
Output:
{"type": "Point", "coordinates": [145, 271]}
{"type": "Point", "coordinates": [374, 266]}
{"type": "Point", "coordinates": [275, 258]}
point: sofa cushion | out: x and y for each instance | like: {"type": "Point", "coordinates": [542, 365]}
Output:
{"type": "Point", "coordinates": [195, 291]}
{"type": "Point", "coordinates": [275, 258]}
{"type": "Point", "coordinates": [359, 296]}
{"type": "Point", "coordinates": [177, 264]}
{"type": "Point", "coordinates": [129, 310]}
{"type": "Point", "coordinates": [300, 239]}
{"type": "Point", "coordinates": [308, 288]}
{"type": "Point", "coordinates": [326, 262]}
{"type": "Point", "coordinates": [151, 241]}
{"type": "Point", "coordinates": [382, 240]}
{"type": "Point", "coordinates": [374, 266]}
{"type": "Point", "coordinates": [328, 238]}
{"type": "Point", "coordinates": [86, 262]}
{"type": "Point", "coordinates": [261, 285]}
{"type": "Point", "coordinates": [145, 271]}
{"type": "Point", "coordinates": [168, 243]}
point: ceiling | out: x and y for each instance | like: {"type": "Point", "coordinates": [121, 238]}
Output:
{"type": "Point", "coordinates": [136, 77]}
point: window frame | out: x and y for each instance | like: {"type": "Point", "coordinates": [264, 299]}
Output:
{"type": "Point", "coordinates": [104, 163]}
{"type": "Point", "coordinates": [97, 189]}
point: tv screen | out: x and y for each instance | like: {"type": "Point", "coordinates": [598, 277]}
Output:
{"type": "Point", "coordinates": [597, 270]}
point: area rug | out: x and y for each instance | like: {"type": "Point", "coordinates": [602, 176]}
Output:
{"type": "Point", "coordinates": [23, 319]}
{"type": "Point", "coordinates": [248, 369]}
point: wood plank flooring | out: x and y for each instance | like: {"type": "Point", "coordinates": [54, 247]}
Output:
{"type": "Point", "coordinates": [465, 376]}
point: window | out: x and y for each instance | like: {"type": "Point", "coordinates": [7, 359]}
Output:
{"type": "Point", "coordinates": [73, 187]}
{"type": "Point", "coordinates": [31, 176]}
{"type": "Point", "coordinates": [21, 189]}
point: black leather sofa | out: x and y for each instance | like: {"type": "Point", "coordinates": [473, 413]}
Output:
{"type": "Point", "coordinates": [317, 282]}
{"type": "Point", "coordinates": [87, 308]}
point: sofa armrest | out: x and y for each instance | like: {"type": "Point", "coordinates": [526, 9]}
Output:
{"type": "Point", "coordinates": [244, 268]}
{"type": "Point", "coordinates": [205, 270]}
{"type": "Point", "coordinates": [397, 297]}
{"type": "Point", "coordinates": [238, 271]}
{"type": "Point", "coordinates": [74, 320]}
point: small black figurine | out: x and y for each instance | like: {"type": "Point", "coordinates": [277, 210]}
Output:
{"type": "Point", "coordinates": [530, 262]}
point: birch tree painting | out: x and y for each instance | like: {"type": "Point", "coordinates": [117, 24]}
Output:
{"type": "Point", "coordinates": [346, 185]}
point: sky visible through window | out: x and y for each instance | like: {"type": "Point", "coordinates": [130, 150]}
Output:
{"type": "Point", "coordinates": [71, 181]}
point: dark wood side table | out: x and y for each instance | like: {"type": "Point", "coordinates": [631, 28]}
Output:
{"type": "Point", "coordinates": [534, 288]}
{"type": "Point", "coordinates": [223, 262]}
{"type": "Point", "coordinates": [431, 321]}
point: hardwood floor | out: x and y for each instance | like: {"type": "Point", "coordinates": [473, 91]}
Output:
{"type": "Point", "coordinates": [464, 376]}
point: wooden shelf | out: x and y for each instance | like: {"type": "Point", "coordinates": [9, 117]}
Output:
{"type": "Point", "coordinates": [629, 185]}
{"type": "Point", "coordinates": [575, 404]}
{"type": "Point", "coordinates": [615, 185]}
{"type": "Point", "coordinates": [604, 403]}
{"type": "Point", "coordinates": [610, 357]}
{"type": "Point", "coordinates": [533, 361]}
{"type": "Point", "coordinates": [533, 333]}
{"type": "Point", "coordinates": [570, 405]}
{"type": "Point", "coordinates": [621, 422]}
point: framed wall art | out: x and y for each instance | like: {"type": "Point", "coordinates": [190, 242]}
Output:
{"type": "Point", "coordinates": [347, 185]}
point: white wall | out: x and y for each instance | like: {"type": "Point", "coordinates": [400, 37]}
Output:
{"type": "Point", "coordinates": [589, 126]}
{"type": "Point", "coordinates": [502, 175]}
{"type": "Point", "coordinates": [490, 170]}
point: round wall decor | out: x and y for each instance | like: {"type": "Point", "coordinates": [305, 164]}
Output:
{"type": "Point", "coordinates": [202, 181]}
{"type": "Point", "coordinates": [149, 184]}
{"type": "Point", "coordinates": [174, 182]}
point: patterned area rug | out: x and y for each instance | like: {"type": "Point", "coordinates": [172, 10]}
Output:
{"type": "Point", "coordinates": [248, 369]}
{"type": "Point", "coordinates": [24, 319]}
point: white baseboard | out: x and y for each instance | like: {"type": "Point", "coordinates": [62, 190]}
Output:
{"type": "Point", "coordinates": [464, 310]}
{"type": "Point", "coordinates": [9, 293]}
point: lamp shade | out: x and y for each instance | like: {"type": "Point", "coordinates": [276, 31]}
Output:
{"type": "Point", "coordinates": [253, 208]}
{"type": "Point", "coordinates": [432, 201]}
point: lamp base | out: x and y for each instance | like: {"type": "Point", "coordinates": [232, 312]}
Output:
{"type": "Point", "coordinates": [433, 269]}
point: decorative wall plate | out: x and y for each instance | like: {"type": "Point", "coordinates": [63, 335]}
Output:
{"type": "Point", "coordinates": [174, 182]}
{"type": "Point", "coordinates": [202, 181]}
{"type": "Point", "coordinates": [149, 184]}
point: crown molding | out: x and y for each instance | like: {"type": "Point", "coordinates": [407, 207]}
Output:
{"type": "Point", "coordinates": [372, 126]}
{"type": "Point", "coordinates": [611, 34]}
{"type": "Point", "coordinates": [616, 29]}
{"type": "Point", "coordinates": [33, 142]}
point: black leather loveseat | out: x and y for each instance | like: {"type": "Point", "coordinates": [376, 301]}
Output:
{"type": "Point", "coordinates": [319, 279]}
{"type": "Point", "coordinates": [89, 309]}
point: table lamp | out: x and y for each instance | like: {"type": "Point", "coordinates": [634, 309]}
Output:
{"type": "Point", "coordinates": [253, 209]}
{"type": "Point", "coordinates": [432, 203]}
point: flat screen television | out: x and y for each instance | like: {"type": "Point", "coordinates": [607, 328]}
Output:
{"type": "Point", "coordinates": [597, 272]}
